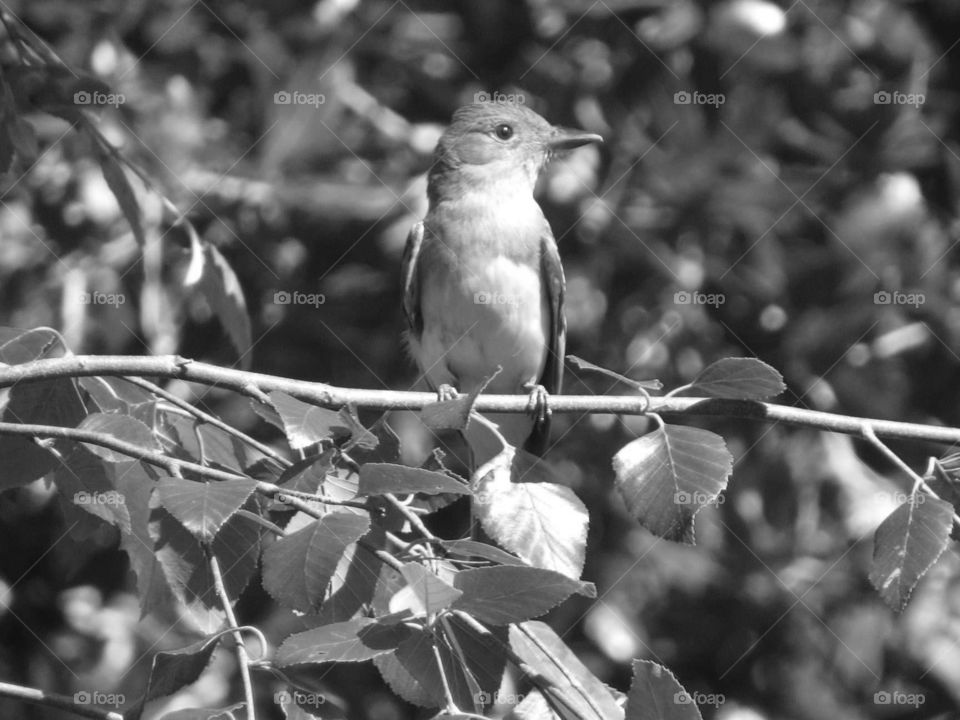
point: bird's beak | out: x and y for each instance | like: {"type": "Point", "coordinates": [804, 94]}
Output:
{"type": "Point", "coordinates": [567, 139]}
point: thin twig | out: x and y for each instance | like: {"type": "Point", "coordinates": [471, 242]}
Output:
{"type": "Point", "coordinates": [242, 658]}
{"type": "Point", "coordinates": [42, 697]}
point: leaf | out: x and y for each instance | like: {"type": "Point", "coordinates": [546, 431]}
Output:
{"type": "Point", "coordinates": [424, 593]}
{"type": "Point", "coordinates": [907, 544]}
{"type": "Point", "coordinates": [186, 568]}
{"type": "Point", "coordinates": [383, 478]}
{"type": "Point", "coordinates": [474, 549]}
{"type": "Point", "coordinates": [738, 378]}
{"type": "Point", "coordinates": [581, 364]}
{"type": "Point", "coordinates": [121, 427]}
{"type": "Point", "coordinates": [87, 490]}
{"type": "Point", "coordinates": [307, 424]}
{"type": "Point", "coordinates": [655, 694]}
{"type": "Point", "coordinates": [231, 712]}
{"type": "Point", "coordinates": [136, 482]}
{"type": "Point", "coordinates": [544, 523]}
{"type": "Point", "coordinates": [352, 641]}
{"type": "Point", "coordinates": [203, 507]}
{"type": "Point", "coordinates": [571, 683]}
{"type": "Point", "coordinates": [120, 186]}
{"type": "Point", "coordinates": [511, 593]}
{"type": "Point", "coordinates": [453, 414]}
{"type": "Point", "coordinates": [668, 475]}
{"type": "Point", "coordinates": [221, 288]}
{"type": "Point", "coordinates": [298, 568]}
{"type": "Point", "coordinates": [173, 670]}
{"type": "Point", "coordinates": [45, 402]}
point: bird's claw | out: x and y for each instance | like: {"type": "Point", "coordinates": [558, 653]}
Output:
{"type": "Point", "coordinates": [538, 403]}
{"type": "Point", "coordinates": [447, 392]}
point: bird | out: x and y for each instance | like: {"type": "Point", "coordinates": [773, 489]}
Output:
{"type": "Point", "coordinates": [483, 285]}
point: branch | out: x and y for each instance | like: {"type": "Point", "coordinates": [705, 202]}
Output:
{"type": "Point", "coordinates": [243, 660]}
{"type": "Point", "coordinates": [41, 697]}
{"type": "Point", "coordinates": [256, 384]}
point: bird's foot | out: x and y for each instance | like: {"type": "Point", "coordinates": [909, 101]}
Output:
{"type": "Point", "coordinates": [447, 392]}
{"type": "Point", "coordinates": [538, 406]}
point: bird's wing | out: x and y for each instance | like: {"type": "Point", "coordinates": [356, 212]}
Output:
{"type": "Point", "coordinates": [551, 271]}
{"type": "Point", "coordinates": [411, 283]}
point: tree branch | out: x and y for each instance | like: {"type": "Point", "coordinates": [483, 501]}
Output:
{"type": "Point", "coordinates": [255, 384]}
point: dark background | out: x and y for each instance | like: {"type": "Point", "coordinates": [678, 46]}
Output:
{"type": "Point", "coordinates": [797, 200]}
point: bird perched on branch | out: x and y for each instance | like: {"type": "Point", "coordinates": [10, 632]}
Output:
{"type": "Point", "coordinates": [482, 281]}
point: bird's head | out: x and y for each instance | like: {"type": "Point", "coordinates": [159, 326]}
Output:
{"type": "Point", "coordinates": [497, 142]}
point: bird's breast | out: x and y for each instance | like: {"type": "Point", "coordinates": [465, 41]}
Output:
{"type": "Point", "coordinates": [483, 300]}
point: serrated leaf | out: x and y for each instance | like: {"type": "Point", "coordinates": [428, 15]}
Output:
{"type": "Point", "coordinates": [423, 594]}
{"type": "Point", "coordinates": [351, 641]}
{"type": "Point", "coordinates": [173, 670]}
{"type": "Point", "coordinates": [306, 424]}
{"type": "Point", "coordinates": [667, 476]}
{"type": "Point", "coordinates": [655, 694]}
{"type": "Point", "coordinates": [88, 491]}
{"type": "Point", "coordinates": [298, 568]}
{"type": "Point", "coordinates": [906, 546]}
{"type": "Point", "coordinates": [473, 549]}
{"type": "Point", "coordinates": [383, 478]}
{"type": "Point", "coordinates": [548, 655]}
{"type": "Point", "coordinates": [120, 427]}
{"type": "Point", "coordinates": [511, 593]}
{"type": "Point", "coordinates": [45, 402]}
{"type": "Point", "coordinates": [203, 507]}
{"type": "Point", "coordinates": [120, 186]}
{"type": "Point", "coordinates": [738, 378]}
{"type": "Point", "coordinates": [218, 283]}
{"type": "Point", "coordinates": [544, 523]}
{"type": "Point", "coordinates": [183, 560]}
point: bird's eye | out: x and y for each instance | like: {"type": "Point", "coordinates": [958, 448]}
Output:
{"type": "Point", "coordinates": [504, 131]}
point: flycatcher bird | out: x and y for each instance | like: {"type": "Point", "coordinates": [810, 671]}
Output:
{"type": "Point", "coordinates": [482, 281]}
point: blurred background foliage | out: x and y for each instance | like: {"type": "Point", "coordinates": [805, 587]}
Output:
{"type": "Point", "coordinates": [799, 197]}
